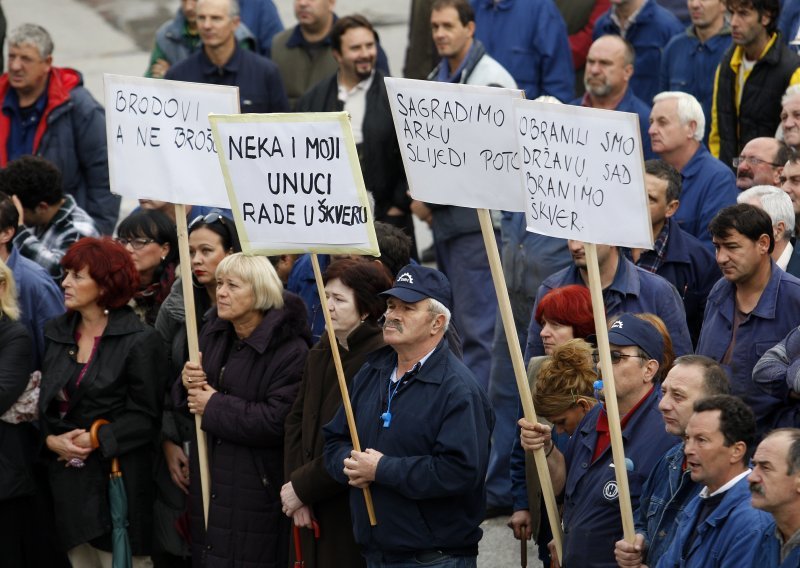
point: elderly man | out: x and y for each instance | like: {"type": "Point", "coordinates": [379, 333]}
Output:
{"type": "Point", "coordinates": [585, 471]}
{"type": "Point", "coordinates": [778, 206]}
{"type": "Point", "coordinates": [775, 488]}
{"type": "Point", "coordinates": [676, 133]}
{"type": "Point", "coordinates": [425, 425]}
{"type": "Point", "coordinates": [609, 67]}
{"type": "Point", "coordinates": [761, 162]}
{"type": "Point", "coordinates": [669, 488]}
{"type": "Point", "coordinates": [790, 183]}
{"type": "Point", "coordinates": [790, 116]}
{"type": "Point", "coordinates": [47, 112]}
{"type": "Point", "coordinates": [718, 527]}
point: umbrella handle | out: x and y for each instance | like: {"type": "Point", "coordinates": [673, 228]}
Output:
{"type": "Point", "coordinates": [95, 441]}
{"type": "Point", "coordinates": [315, 524]}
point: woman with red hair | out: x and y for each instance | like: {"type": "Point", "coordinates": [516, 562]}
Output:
{"type": "Point", "coordinates": [564, 313]}
{"type": "Point", "coordinates": [100, 362]}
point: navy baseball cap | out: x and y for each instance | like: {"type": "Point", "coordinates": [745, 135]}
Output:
{"type": "Point", "coordinates": [630, 330]}
{"type": "Point", "coordinates": [415, 283]}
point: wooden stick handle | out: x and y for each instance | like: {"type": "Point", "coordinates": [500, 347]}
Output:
{"type": "Point", "coordinates": [610, 392]}
{"type": "Point", "coordinates": [194, 348]}
{"type": "Point", "coordinates": [512, 339]}
{"type": "Point", "coordinates": [337, 361]}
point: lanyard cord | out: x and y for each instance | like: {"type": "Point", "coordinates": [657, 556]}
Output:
{"type": "Point", "coordinates": [390, 393]}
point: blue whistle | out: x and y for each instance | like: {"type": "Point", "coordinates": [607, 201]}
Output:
{"type": "Point", "coordinates": [387, 419]}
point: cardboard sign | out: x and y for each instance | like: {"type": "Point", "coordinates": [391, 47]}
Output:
{"type": "Point", "coordinates": [457, 142]}
{"type": "Point", "coordinates": [294, 183]}
{"type": "Point", "coordinates": [159, 139]}
{"type": "Point", "coordinates": [582, 174]}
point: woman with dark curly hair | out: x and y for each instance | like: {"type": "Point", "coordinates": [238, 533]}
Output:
{"type": "Point", "coordinates": [100, 362]}
{"type": "Point", "coordinates": [152, 240]}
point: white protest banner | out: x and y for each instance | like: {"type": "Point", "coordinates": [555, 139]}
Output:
{"type": "Point", "coordinates": [159, 139]}
{"type": "Point", "coordinates": [582, 174]}
{"type": "Point", "coordinates": [457, 143]}
{"type": "Point", "coordinates": [294, 183]}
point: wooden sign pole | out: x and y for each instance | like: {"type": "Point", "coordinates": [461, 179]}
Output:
{"type": "Point", "coordinates": [519, 372]}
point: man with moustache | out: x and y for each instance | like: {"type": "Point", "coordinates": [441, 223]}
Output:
{"type": "Point", "coordinates": [790, 116]}
{"type": "Point", "coordinates": [609, 67]}
{"type": "Point", "coordinates": [669, 488]}
{"type": "Point", "coordinates": [761, 162]}
{"type": "Point", "coordinates": [718, 527]}
{"type": "Point", "coordinates": [424, 424]}
{"type": "Point", "coordinates": [358, 88]}
{"type": "Point", "coordinates": [790, 183]}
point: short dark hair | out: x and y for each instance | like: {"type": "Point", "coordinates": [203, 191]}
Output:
{"type": "Point", "coordinates": [395, 246]}
{"type": "Point", "coordinates": [793, 458]}
{"type": "Point", "coordinates": [223, 226]}
{"type": "Point", "coordinates": [9, 218]}
{"type": "Point", "coordinates": [663, 171]}
{"type": "Point", "coordinates": [749, 220]}
{"type": "Point", "coordinates": [366, 278]}
{"type": "Point", "coordinates": [151, 224]}
{"type": "Point", "coordinates": [715, 380]}
{"type": "Point", "coordinates": [109, 265]}
{"type": "Point", "coordinates": [771, 8]}
{"type": "Point", "coordinates": [465, 12]}
{"type": "Point", "coordinates": [33, 180]}
{"type": "Point", "coordinates": [737, 423]}
{"type": "Point", "coordinates": [346, 23]}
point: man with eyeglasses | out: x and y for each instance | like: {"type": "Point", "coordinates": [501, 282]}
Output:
{"type": "Point", "coordinates": [585, 471]}
{"type": "Point", "coordinates": [51, 220]}
{"type": "Point", "coordinates": [761, 162]}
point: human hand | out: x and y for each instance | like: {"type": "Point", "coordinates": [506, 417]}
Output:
{"type": "Point", "coordinates": [630, 555]}
{"type": "Point", "coordinates": [159, 68]}
{"type": "Point", "coordinates": [303, 517]}
{"type": "Point", "coordinates": [193, 375]}
{"type": "Point", "coordinates": [534, 436]}
{"type": "Point", "coordinates": [520, 523]}
{"type": "Point", "coordinates": [65, 447]}
{"type": "Point", "coordinates": [198, 398]}
{"type": "Point", "coordinates": [178, 465]}
{"type": "Point", "coordinates": [360, 467]}
{"type": "Point", "coordinates": [551, 547]}
{"type": "Point", "coordinates": [422, 211]}
{"type": "Point", "coordinates": [289, 499]}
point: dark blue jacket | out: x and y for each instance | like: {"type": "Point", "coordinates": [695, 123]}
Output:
{"type": "Point", "coordinates": [693, 271]}
{"type": "Point", "coordinates": [262, 18]}
{"type": "Point", "coordinates": [727, 538]}
{"type": "Point", "coordinates": [793, 267]}
{"type": "Point", "coordinates": [776, 375]}
{"type": "Point", "coordinates": [665, 494]}
{"type": "Point", "coordinates": [302, 282]}
{"type": "Point", "coordinates": [592, 522]}
{"type": "Point", "coordinates": [775, 315]}
{"type": "Point", "coordinates": [260, 85]}
{"type": "Point", "coordinates": [688, 66]}
{"type": "Point", "coordinates": [652, 30]}
{"type": "Point", "coordinates": [789, 20]}
{"type": "Point", "coordinates": [631, 103]}
{"type": "Point", "coordinates": [429, 486]}
{"type": "Point", "coordinates": [708, 186]}
{"type": "Point", "coordinates": [529, 39]}
{"type": "Point", "coordinates": [769, 551]}
{"type": "Point", "coordinates": [633, 290]}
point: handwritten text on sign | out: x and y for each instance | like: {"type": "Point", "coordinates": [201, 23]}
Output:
{"type": "Point", "coordinates": [159, 139]}
{"type": "Point", "coordinates": [457, 143]}
{"type": "Point", "coordinates": [294, 182]}
{"type": "Point", "coordinates": [582, 174]}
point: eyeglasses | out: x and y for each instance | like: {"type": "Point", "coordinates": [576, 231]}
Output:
{"type": "Point", "coordinates": [752, 162]}
{"type": "Point", "coordinates": [616, 356]}
{"type": "Point", "coordinates": [136, 244]}
{"type": "Point", "coordinates": [208, 219]}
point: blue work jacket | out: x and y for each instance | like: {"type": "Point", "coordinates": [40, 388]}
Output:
{"type": "Point", "coordinates": [769, 551]}
{"type": "Point", "coordinates": [429, 488]}
{"type": "Point", "coordinates": [688, 65]}
{"type": "Point", "coordinates": [633, 290]}
{"type": "Point", "coordinates": [665, 494]}
{"type": "Point", "coordinates": [726, 539]}
{"type": "Point", "coordinates": [529, 39]}
{"type": "Point", "coordinates": [775, 315]}
{"type": "Point", "coordinates": [592, 522]}
{"type": "Point", "coordinates": [649, 33]}
{"type": "Point", "coordinates": [708, 186]}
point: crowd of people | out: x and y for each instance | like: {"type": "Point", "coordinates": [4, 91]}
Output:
{"type": "Point", "coordinates": [704, 328]}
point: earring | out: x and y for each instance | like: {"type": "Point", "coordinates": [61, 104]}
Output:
{"type": "Point", "coordinates": [105, 312]}
{"type": "Point", "coordinates": [163, 258]}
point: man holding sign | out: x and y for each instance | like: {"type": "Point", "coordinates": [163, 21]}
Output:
{"type": "Point", "coordinates": [425, 424]}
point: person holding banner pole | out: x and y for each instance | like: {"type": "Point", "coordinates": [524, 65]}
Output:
{"type": "Point", "coordinates": [584, 472]}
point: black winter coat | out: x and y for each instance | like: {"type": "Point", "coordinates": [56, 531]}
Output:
{"type": "Point", "coordinates": [257, 380]}
{"type": "Point", "coordinates": [124, 384]}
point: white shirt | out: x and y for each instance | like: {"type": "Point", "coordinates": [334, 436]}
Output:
{"type": "Point", "coordinates": [355, 103]}
{"type": "Point", "coordinates": [704, 491]}
{"type": "Point", "coordinates": [786, 255]}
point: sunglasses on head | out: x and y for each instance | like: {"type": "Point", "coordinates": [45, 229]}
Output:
{"type": "Point", "coordinates": [208, 219]}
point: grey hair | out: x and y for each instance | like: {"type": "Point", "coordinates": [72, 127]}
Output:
{"type": "Point", "coordinates": [688, 110]}
{"type": "Point", "coordinates": [435, 307]}
{"type": "Point", "coordinates": [775, 202]}
{"type": "Point", "coordinates": [791, 91]}
{"type": "Point", "coordinates": [32, 34]}
{"type": "Point", "coordinates": [233, 8]}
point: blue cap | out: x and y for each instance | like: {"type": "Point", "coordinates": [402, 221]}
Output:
{"type": "Point", "coordinates": [630, 330]}
{"type": "Point", "coordinates": [415, 283]}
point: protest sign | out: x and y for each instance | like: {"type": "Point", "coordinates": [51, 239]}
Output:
{"type": "Point", "coordinates": [159, 139]}
{"type": "Point", "coordinates": [457, 142]}
{"type": "Point", "coordinates": [582, 174]}
{"type": "Point", "coordinates": [294, 183]}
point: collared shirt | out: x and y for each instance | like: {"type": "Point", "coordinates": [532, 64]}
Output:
{"type": "Point", "coordinates": [651, 260]}
{"type": "Point", "coordinates": [704, 494]}
{"type": "Point", "coordinates": [24, 122]}
{"type": "Point", "coordinates": [623, 28]}
{"type": "Point", "coordinates": [418, 365]}
{"type": "Point", "coordinates": [789, 545]}
{"type": "Point", "coordinates": [603, 432]}
{"type": "Point", "coordinates": [355, 103]}
{"type": "Point", "coordinates": [785, 257]}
